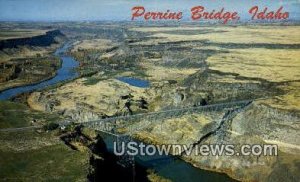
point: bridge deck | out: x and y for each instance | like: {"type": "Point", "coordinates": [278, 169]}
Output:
{"type": "Point", "coordinates": [108, 125]}
{"type": "Point", "coordinates": [179, 110]}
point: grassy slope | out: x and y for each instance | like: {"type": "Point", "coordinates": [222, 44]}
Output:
{"type": "Point", "coordinates": [14, 115]}
{"type": "Point", "coordinates": [27, 155]}
{"type": "Point", "coordinates": [55, 162]}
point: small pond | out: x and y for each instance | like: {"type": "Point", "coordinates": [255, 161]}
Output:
{"type": "Point", "coordinates": [135, 82]}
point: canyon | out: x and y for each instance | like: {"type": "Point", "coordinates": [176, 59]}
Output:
{"type": "Point", "coordinates": [186, 66]}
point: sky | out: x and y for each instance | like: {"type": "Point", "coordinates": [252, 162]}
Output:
{"type": "Point", "coordinates": [98, 10]}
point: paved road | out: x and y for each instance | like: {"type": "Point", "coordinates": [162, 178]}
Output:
{"type": "Point", "coordinates": [20, 129]}
{"type": "Point", "coordinates": [143, 115]}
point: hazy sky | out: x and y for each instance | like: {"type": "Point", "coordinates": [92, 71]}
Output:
{"type": "Point", "coordinates": [56, 10]}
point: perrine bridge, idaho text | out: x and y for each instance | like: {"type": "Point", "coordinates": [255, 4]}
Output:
{"type": "Point", "coordinates": [200, 13]}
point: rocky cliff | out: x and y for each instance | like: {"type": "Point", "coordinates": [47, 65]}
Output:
{"type": "Point", "coordinates": [41, 40]}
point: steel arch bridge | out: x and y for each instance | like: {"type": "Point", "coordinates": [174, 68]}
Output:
{"type": "Point", "coordinates": [111, 125]}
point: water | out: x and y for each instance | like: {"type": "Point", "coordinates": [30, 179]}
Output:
{"type": "Point", "coordinates": [135, 82]}
{"type": "Point", "coordinates": [171, 167]}
{"type": "Point", "coordinates": [166, 166]}
{"type": "Point", "coordinates": [66, 72]}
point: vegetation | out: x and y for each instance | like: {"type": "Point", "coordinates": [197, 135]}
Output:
{"type": "Point", "coordinates": [20, 33]}
{"type": "Point", "coordinates": [205, 65]}
{"type": "Point", "coordinates": [51, 126]}
{"type": "Point", "coordinates": [15, 115]}
{"type": "Point", "coordinates": [40, 157]}
{"type": "Point", "coordinates": [34, 154]}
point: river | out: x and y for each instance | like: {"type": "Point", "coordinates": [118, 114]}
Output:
{"type": "Point", "coordinates": [175, 169]}
{"type": "Point", "coordinates": [166, 166]}
{"type": "Point", "coordinates": [66, 72]}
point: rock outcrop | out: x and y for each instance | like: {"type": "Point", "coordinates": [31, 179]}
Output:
{"type": "Point", "coordinates": [41, 40]}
